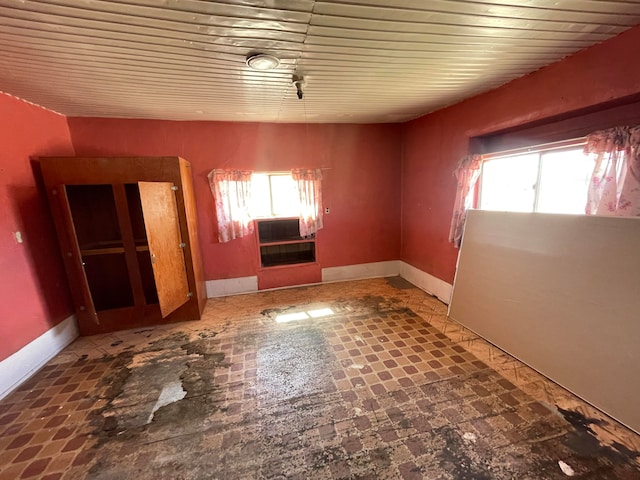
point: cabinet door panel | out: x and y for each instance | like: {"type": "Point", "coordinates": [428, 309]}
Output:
{"type": "Point", "coordinates": [163, 234]}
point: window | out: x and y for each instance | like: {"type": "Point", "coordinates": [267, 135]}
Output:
{"type": "Point", "coordinates": [548, 181]}
{"type": "Point", "coordinates": [274, 195]}
{"type": "Point", "coordinates": [241, 196]}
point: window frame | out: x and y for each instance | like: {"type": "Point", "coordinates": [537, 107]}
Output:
{"type": "Point", "coordinates": [570, 144]}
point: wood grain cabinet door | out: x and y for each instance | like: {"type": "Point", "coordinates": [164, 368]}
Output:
{"type": "Point", "coordinates": [163, 235]}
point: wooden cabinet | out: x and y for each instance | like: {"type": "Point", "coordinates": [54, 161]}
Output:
{"type": "Point", "coordinates": [127, 230]}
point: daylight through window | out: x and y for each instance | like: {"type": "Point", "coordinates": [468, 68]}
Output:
{"type": "Point", "coordinates": [274, 195]}
{"type": "Point", "coordinates": [547, 181]}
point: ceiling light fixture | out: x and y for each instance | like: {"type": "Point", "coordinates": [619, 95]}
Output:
{"type": "Point", "coordinates": [262, 61]}
{"type": "Point", "coordinates": [298, 82]}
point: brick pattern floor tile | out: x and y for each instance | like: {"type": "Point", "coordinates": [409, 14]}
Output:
{"type": "Point", "coordinates": [393, 381]}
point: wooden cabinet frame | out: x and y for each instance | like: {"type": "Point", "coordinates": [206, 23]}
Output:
{"type": "Point", "coordinates": [166, 193]}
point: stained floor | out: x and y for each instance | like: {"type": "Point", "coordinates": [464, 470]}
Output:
{"type": "Point", "coordinates": [365, 379]}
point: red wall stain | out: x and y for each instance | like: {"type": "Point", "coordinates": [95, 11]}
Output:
{"type": "Point", "coordinates": [34, 295]}
{"type": "Point", "coordinates": [361, 183]}
{"type": "Point", "coordinates": [433, 144]}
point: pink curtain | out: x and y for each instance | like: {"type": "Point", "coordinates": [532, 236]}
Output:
{"type": "Point", "coordinates": [615, 184]}
{"type": "Point", "coordinates": [467, 173]}
{"type": "Point", "coordinates": [308, 183]}
{"type": "Point", "coordinates": [232, 193]}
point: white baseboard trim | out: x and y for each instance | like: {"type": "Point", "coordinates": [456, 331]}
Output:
{"type": "Point", "coordinates": [428, 283]}
{"type": "Point", "coordinates": [17, 368]}
{"type": "Point", "coordinates": [231, 286]}
{"type": "Point", "coordinates": [424, 281]}
{"type": "Point", "coordinates": [240, 285]}
{"type": "Point", "coordinates": [361, 271]}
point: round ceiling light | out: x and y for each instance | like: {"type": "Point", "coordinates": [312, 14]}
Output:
{"type": "Point", "coordinates": [262, 61]}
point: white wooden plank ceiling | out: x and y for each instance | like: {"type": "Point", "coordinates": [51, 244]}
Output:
{"type": "Point", "coordinates": [362, 60]}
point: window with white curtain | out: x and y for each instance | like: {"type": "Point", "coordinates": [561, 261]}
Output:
{"type": "Point", "coordinates": [546, 180]}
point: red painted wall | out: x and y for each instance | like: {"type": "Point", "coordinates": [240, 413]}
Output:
{"type": "Point", "coordinates": [364, 186]}
{"type": "Point", "coordinates": [33, 295]}
{"type": "Point", "coordinates": [361, 182]}
{"type": "Point", "coordinates": [433, 144]}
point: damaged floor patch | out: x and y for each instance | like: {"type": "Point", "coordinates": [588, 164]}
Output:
{"type": "Point", "coordinates": [372, 391]}
{"type": "Point", "coordinates": [378, 393]}
{"type": "Point", "coordinates": [171, 392]}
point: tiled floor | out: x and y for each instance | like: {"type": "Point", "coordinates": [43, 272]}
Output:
{"type": "Point", "coordinates": [385, 387]}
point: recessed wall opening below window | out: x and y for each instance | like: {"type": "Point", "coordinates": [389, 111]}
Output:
{"type": "Point", "coordinates": [287, 229]}
{"type": "Point", "coordinates": [281, 244]}
{"type": "Point", "coordinates": [287, 254]}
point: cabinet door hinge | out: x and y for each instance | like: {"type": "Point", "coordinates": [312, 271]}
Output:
{"type": "Point", "coordinates": [182, 245]}
{"type": "Point", "coordinates": [174, 188]}
{"type": "Point", "coordinates": [189, 294]}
